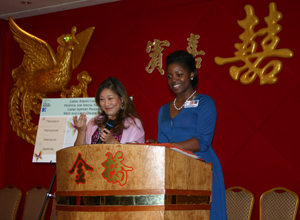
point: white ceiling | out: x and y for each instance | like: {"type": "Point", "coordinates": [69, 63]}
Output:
{"type": "Point", "coordinates": [16, 9]}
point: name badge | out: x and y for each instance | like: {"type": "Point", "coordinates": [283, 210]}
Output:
{"type": "Point", "coordinates": [191, 104]}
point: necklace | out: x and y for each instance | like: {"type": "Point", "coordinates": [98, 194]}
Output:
{"type": "Point", "coordinates": [178, 109]}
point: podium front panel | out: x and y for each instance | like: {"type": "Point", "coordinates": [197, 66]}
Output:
{"type": "Point", "coordinates": [106, 180]}
{"type": "Point", "coordinates": [147, 163]}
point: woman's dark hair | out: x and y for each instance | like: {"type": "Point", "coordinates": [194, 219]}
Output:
{"type": "Point", "coordinates": [128, 107]}
{"type": "Point", "coordinates": [186, 60]}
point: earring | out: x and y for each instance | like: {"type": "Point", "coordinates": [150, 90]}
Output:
{"type": "Point", "coordinates": [192, 78]}
{"type": "Point", "coordinates": [122, 106]}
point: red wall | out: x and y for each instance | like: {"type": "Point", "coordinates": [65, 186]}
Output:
{"type": "Point", "coordinates": [257, 132]}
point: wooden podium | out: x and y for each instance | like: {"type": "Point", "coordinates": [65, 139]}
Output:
{"type": "Point", "coordinates": [124, 181]}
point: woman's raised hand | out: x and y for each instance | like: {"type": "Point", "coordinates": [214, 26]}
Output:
{"type": "Point", "coordinates": [80, 122]}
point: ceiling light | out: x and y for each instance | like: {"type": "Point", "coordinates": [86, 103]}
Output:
{"type": "Point", "coordinates": [26, 2]}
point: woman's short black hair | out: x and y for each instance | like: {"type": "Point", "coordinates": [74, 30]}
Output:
{"type": "Point", "coordinates": [187, 61]}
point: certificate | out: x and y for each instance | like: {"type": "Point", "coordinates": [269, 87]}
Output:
{"type": "Point", "coordinates": [56, 129]}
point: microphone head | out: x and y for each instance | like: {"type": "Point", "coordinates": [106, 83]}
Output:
{"type": "Point", "coordinates": [110, 124]}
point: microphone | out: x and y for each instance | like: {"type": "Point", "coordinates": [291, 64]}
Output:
{"type": "Point", "coordinates": [109, 125]}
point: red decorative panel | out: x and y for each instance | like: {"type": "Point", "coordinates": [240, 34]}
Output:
{"type": "Point", "coordinates": [282, 128]}
{"type": "Point", "coordinates": [257, 131]}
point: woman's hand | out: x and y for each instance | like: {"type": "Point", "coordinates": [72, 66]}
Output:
{"type": "Point", "coordinates": [80, 123]}
{"type": "Point", "coordinates": [152, 141]}
{"type": "Point", "coordinates": [107, 137]}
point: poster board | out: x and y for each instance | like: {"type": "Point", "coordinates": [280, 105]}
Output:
{"type": "Point", "coordinates": [56, 129]}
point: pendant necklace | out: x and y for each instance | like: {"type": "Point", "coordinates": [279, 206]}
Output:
{"type": "Point", "coordinates": [178, 109]}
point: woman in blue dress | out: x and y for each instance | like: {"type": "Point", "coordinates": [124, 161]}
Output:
{"type": "Point", "coordinates": [189, 122]}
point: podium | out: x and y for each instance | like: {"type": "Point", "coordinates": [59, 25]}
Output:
{"type": "Point", "coordinates": [131, 181]}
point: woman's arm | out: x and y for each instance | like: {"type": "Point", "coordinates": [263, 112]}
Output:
{"type": "Point", "coordinates": [189, 145]}
{"type": "Point", "coordinates": [207, 116]}
{"type": "Point", "coordinates": [161, 138]}
{"type": "Point", "coordinates": [80, 140]}
{"type": "Point", "coordinates": [80, 125]}
{"type": "Point", "coordinates": [134, 132]}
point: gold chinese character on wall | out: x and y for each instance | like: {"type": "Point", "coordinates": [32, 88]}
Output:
{"type": "Point", "coordinates": [247, 50]}
{"type": "Point", "coordinates": [192, 49]}
{"type": "Point", "coordinates": [156, 55]}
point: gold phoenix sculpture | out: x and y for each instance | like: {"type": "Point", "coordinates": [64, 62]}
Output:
{"type": "Point", "coordinates": [44, 72]}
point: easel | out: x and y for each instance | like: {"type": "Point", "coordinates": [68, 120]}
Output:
{"type": "Point", "coordinates": [48, 193]}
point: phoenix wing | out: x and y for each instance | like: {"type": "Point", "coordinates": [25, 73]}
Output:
{"type": "Point", "coordinates": [83, 38]}
{"type": "Point", "coordinates": [37, 52]}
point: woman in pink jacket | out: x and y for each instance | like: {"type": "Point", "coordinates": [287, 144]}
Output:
{"type": "Point", "coordinates": [114, 104]}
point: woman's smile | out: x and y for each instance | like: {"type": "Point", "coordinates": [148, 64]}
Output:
{"type": "Point", "coordinates": [179, 78]}
{"type": "Point", "coordinates": [176, 86]}
{"type": "Point", "coordinates": [110, 102]}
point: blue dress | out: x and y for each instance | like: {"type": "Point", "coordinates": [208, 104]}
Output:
{"type": "Point", "coordinates": [198, 122]}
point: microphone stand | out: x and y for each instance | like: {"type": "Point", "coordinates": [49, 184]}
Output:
{"type": "Point", "coordinates": [48, 194]}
